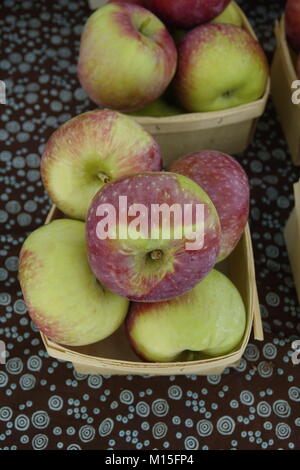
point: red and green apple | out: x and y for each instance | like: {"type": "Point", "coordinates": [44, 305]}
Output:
{"type": "Point", "coordinates": [90, 150]}
{"type": "Point", "coordinates": [127, 57]}
{"type": "Point", "coordinates": [63, 297]}
{"type": "Point", "coordinates": [137, 254]}
{"type": "Point", "coordinates": [219, 66]}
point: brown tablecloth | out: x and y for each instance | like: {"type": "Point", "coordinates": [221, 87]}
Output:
{"type": "Point", "coordinates": [44, 404]}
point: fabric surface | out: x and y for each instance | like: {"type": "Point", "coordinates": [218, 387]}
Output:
{"type": "Point", "coordinates": [44, 404]}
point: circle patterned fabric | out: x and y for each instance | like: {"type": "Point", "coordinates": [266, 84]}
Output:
{"type": "Point", "coordinates": [44, 403]}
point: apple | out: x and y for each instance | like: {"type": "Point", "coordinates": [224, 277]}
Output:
{"type": "Point", "coordinates": [90, 150]}
{"type": "Point", "coordinates": [127, 57]}
{"type": "Point", "coordinates": [186, 13]}
{"type": "Point", "coordinates": [63, 297]}
{"type": "Point", "coordinates": [219, 66]}
{"type": "Point", "coordinates": [231, 15]}
{"type": "Point", "coordinates": [208, 321]}
{"type": "Point", "coordinates": [132, 251]}
{"type": "Point", "coordinates": [292, 23]}
{"type": "Point", "coordinates": [135, 2]}
{"type": "Point", "coordinates": [158, 108]}
{"type": "Point", "coordinates": [227, 185]}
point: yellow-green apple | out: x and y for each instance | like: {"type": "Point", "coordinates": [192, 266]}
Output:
{"type": "Point", "coordinates": [292, 23]}
{"type": "Point", "coordinates": [90, 150]}
{"type": "Point", "coordinates": [63, 297]}
{"type": "Point", "coordinates": [219, 66]}
{"type": "Point", "coordinates": [231, 15]}
{"type": "Point", "coordinates": [158, 108]}
{"type": "Point", "coordinates": [152, 236]}
{"type": "Point", "coordinates": [227, 185]}
{"type": "Point", "coordinates": [127, 57]}
{"type": "Point", "coordinates": [208, 321]}
{"type": "Point", "coordinates": [186, 13]}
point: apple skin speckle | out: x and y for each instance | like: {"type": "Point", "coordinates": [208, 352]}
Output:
{"type": "Point", "coordinates": [226, 183]}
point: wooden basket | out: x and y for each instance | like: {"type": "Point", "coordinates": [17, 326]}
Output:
{"type": "Point", "coordinates": [292, 238]}
{"type": "Point", "coordinates": [114, 355]}
{"type": "Point", "coordinates": [228, 131]}
{"type": "Point", "coordinates": [283, 74]}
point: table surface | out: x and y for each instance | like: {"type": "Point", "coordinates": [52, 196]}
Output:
{"type": "Point", "coordinates": [44, 404]}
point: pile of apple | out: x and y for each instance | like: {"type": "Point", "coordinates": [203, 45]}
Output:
{"type": "Point", "coordinates": [80, 287]}
{"type": "Point", "coordinates": [292, 28]}
{"type": "Point", "coordinates": [166, 57]}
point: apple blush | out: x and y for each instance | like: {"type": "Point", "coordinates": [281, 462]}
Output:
{"type": "Point", "coordinates": [226, 183]}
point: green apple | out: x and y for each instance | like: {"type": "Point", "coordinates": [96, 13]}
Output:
{"type": "Point", "coordinates": [207, 321]}
{"type": "Point", "coordinates": [63, 297]}
{"type": "Point", "coordinates": [231, 15]}
{"type": "Point", "coordinates": [158, 108]}
{"type": "Point", "coordinates": [219, 66]}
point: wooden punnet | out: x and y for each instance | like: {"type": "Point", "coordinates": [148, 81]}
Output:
{"type": "Point", "coordinates": [283, 75]}
{"type": "Point", "coordinates": [114, 355]}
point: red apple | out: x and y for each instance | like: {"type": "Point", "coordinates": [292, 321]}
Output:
{"type": "Point", "coordinates": [292, 23]}
{"type": "Point", "coordinates": [127, 57]}
{"type": "Point", "coordinates": [226, 183]}
{"type": "Point", "coordinates": [186, 13]}
{"type": "Point", "coordinates": [151, 265]}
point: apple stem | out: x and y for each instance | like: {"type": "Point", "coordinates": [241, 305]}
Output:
{"type": "Point", "coordinates": [103, 177]}
{"type": "Point", "coordinates": [156, 254]}
{"type": "Point", "coordinates": [144, 26]}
